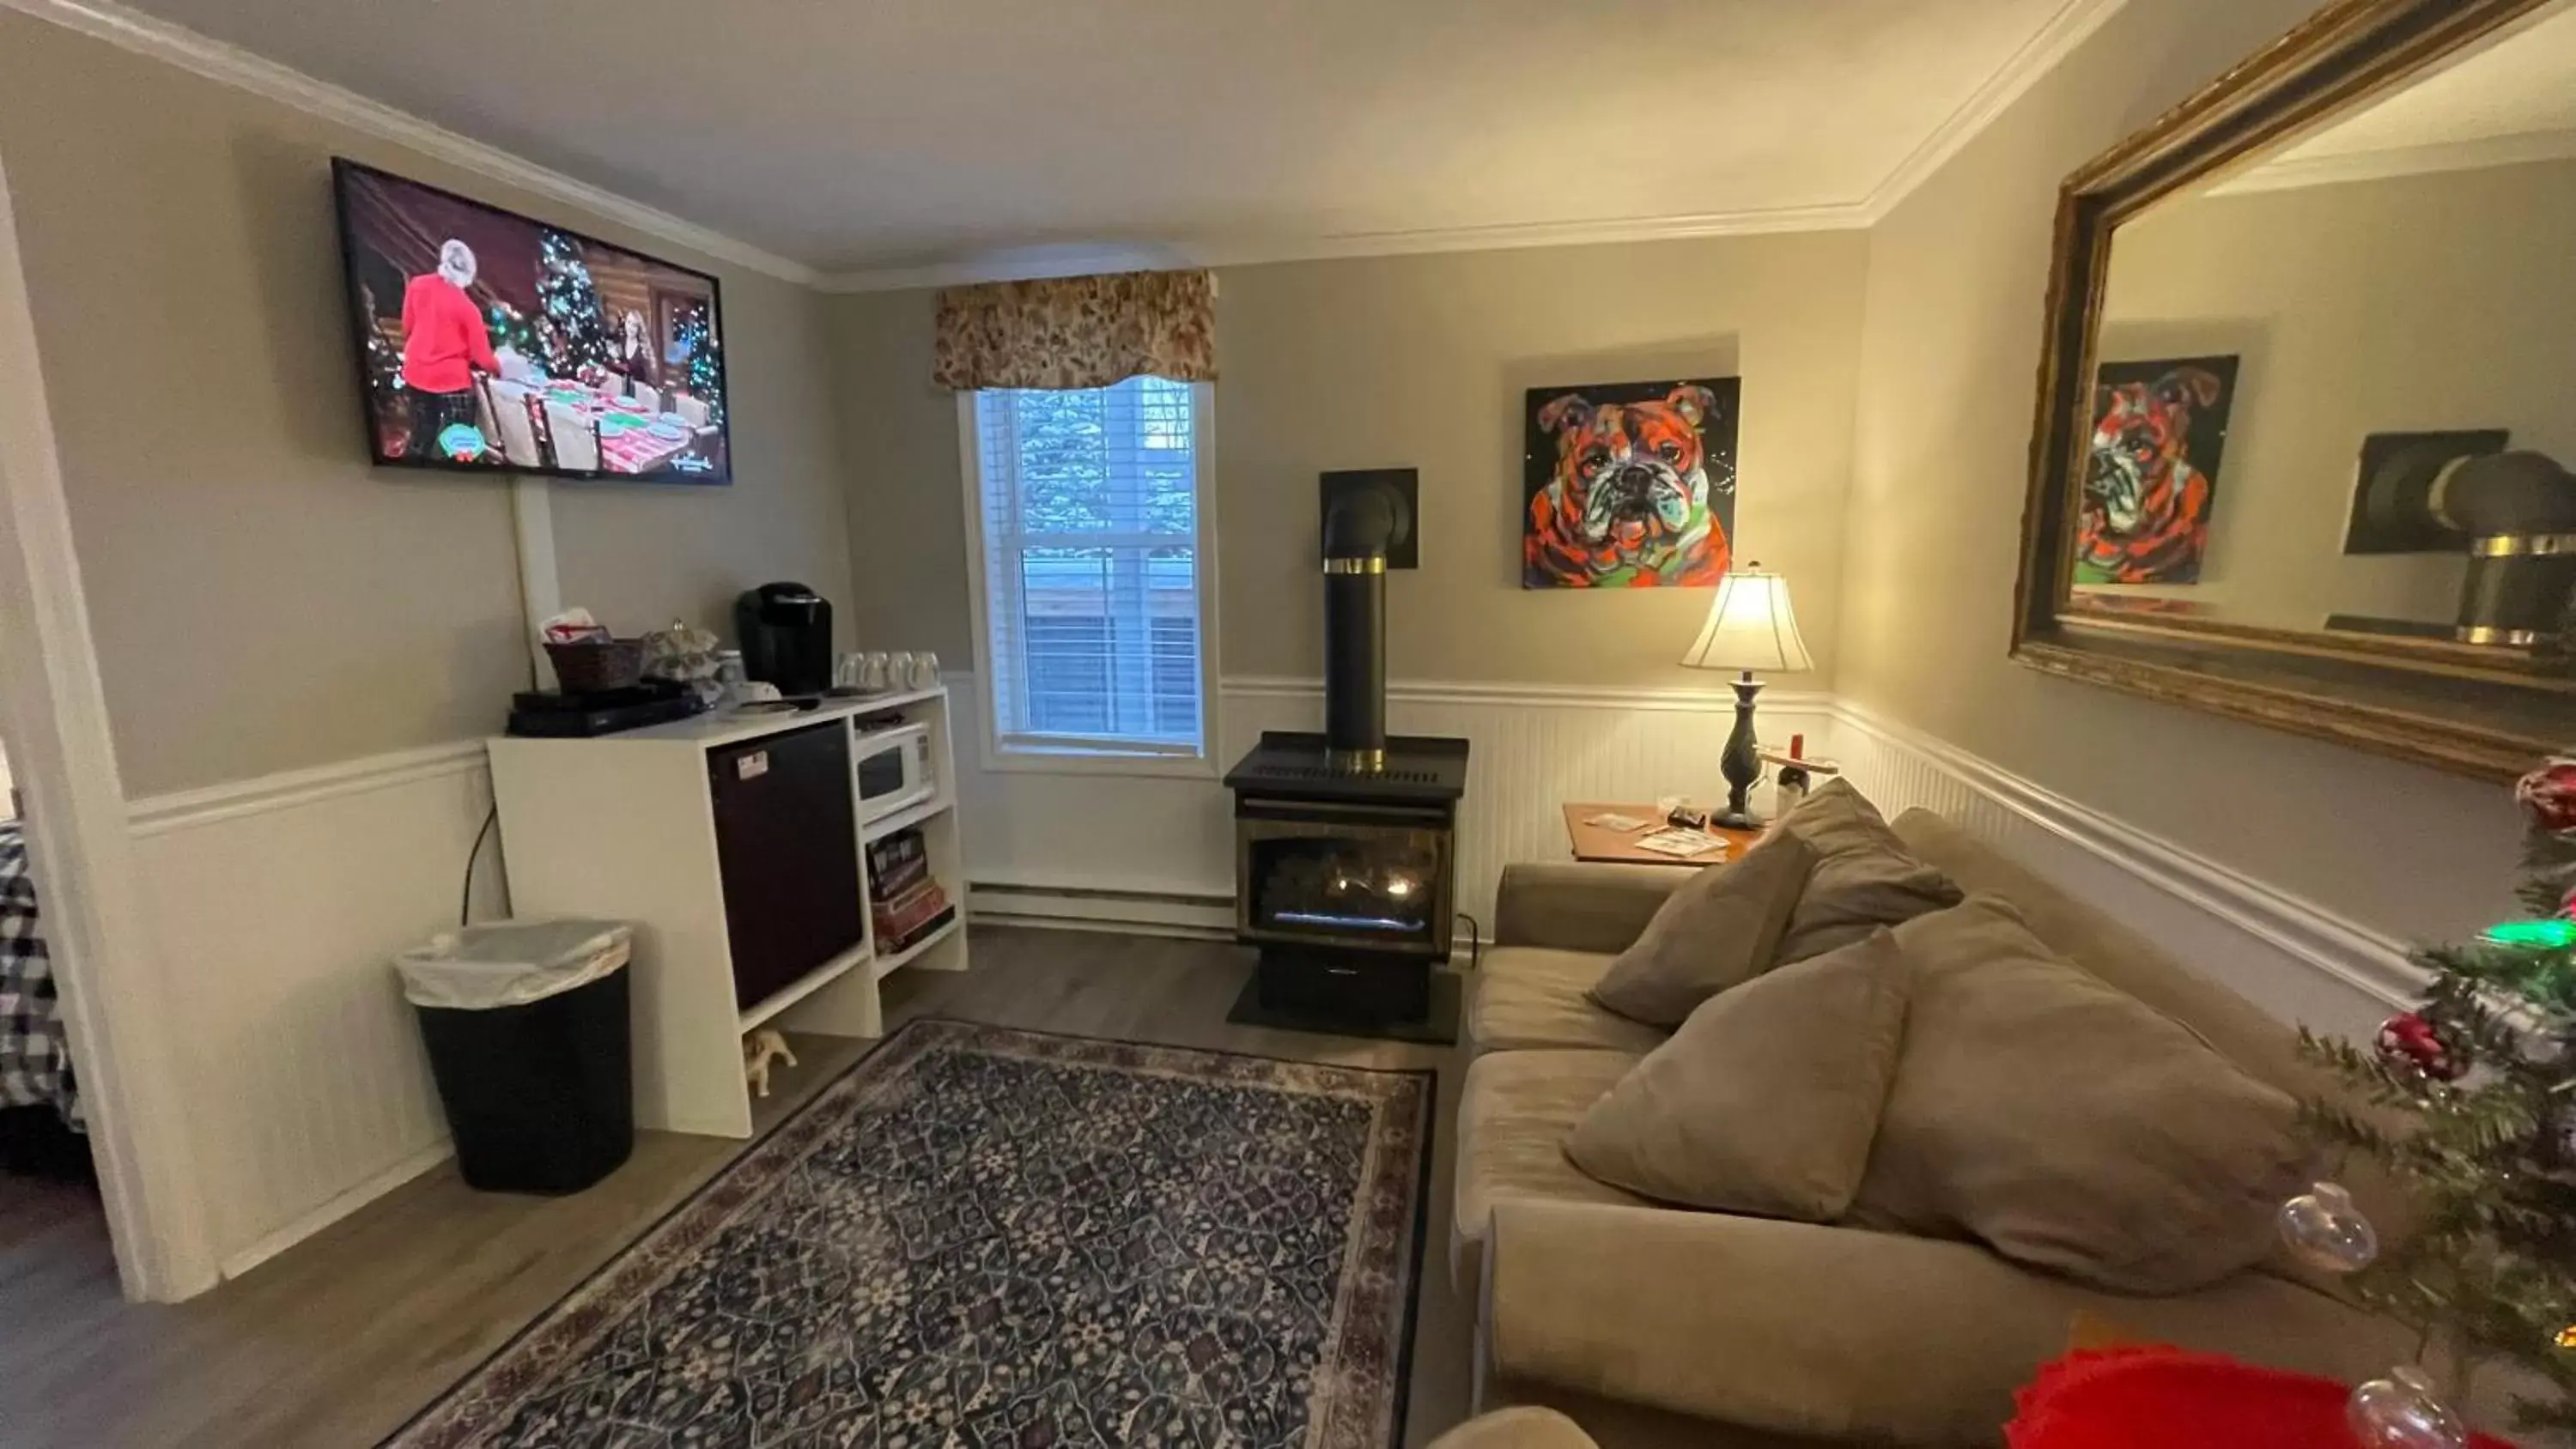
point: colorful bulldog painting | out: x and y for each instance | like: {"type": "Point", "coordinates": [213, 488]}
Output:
{"type": "Point", "coordinates": [1629, 485]}
{"type": "Point", "coordinates": [2158, 429]}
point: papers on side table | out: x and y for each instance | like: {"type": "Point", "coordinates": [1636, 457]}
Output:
{"type": "Point", "coordinates": [1613, 820]}
{"type": "Point", "coordinates": [1686, 844]}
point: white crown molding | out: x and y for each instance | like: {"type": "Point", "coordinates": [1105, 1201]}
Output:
{"type": "Point", "coordinates": [2068, 28]}
{"type": "Point", "coordinates": [2293, 171]}
{"type": "Point", "coordinates": [231, 65]}
{"type": "Point", "coordinates": [2364, 959]}
{"type": "Point", "coordinates": [216, 60]}
{"type": "Point", "coordinates": [211, 804]}
{"type": "Point", "coordinates": [1024, 265]}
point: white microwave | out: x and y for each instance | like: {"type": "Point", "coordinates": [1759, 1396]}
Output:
{"type": "Point", "coordinates": [891, 769]}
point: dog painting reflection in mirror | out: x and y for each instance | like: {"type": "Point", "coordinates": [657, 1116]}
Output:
{"type": "Point", "coordinates": [2158, 430]}
{"type": "Point", "coordinates": [1629, 485]}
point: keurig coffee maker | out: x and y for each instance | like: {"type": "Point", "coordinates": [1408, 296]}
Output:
{"type": "Point", "coordinates": [786, 634]}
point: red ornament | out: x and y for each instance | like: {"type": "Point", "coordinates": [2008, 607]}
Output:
{"type": "Point", "coordinates": [2409, 1042]}
{"type": "Point", "coordinates": [2548, 795]}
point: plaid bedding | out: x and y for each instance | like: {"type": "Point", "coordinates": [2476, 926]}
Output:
{"type": "Point", "coordinates": [35, 1056]}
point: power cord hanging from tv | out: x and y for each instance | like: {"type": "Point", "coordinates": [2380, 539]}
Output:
{"type": "Point", "coordinates": [465, 897]}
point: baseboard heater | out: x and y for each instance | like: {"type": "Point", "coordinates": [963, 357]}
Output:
{"type": "Point", "coordinates": [1170, 913]}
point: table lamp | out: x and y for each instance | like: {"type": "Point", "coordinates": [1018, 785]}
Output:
{"type": "Point", "coordinates": [1750, 626]}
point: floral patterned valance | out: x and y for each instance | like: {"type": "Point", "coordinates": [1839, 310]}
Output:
{"type": "Point", "coordinates": [1074, 332]}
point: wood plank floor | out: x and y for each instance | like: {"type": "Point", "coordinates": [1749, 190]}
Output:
{"type": "Point", "coordinates": [337, 1341]}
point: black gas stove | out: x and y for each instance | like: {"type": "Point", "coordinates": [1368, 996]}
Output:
{"type": "Point", "coordinates": [1346, 871]}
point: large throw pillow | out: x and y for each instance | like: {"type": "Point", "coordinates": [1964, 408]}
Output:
{"type": "Point", "coordinates": [1864, 877]}
{"type": "Point", "coordinates": [1765, 1101]}
{"type": "Point", "coordinates": [2067, 1125]}
{"type": "Point", "coordinates": [1721, 929]}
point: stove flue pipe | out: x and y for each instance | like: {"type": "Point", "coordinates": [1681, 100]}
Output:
{"type": "Point", "coordinates": [1358, 530]}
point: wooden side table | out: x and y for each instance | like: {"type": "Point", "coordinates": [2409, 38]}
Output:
{"type": "Point", "coordinates": [1602, 845]}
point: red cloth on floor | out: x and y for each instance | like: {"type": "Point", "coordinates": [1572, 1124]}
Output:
{"type": "Point", "coordinates": [442, 332]}
{"type": "Point", "coordinates": [2158, 1397]}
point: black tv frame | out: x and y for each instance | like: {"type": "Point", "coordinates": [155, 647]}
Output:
{"type": "Point", "coordinates": [341, 169]}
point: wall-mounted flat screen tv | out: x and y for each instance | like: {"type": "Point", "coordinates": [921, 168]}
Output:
{"type": "Point", "coordinates": [490, 343]}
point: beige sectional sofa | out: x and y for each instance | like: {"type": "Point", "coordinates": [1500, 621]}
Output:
{"type": "Point", "coordinates": [1652, 1325]}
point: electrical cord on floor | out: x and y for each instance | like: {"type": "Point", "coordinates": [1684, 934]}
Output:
{"type": "Point", "coordinates": [465, 901]}
{"type": "Point", "coordinates": [1475, 942]}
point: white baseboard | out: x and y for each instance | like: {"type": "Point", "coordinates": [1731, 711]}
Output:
{"type": "Point", "coordinates": [274, 1243]}
{"type": "Point", "coordinates": [1149, 912]}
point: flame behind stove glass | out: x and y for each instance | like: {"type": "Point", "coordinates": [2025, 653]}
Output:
{"type": "Point", "coordinates": [1369, 886]}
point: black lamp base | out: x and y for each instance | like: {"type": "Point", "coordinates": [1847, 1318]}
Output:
{"type": "Point", "coordinates": [1741, 764]}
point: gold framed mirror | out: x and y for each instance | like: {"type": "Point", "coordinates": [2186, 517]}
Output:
{"type": "Point", "coordinates": [2307, 395]}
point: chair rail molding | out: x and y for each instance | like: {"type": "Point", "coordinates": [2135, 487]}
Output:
{"type": "Point", "coordinates": [1904, 766]}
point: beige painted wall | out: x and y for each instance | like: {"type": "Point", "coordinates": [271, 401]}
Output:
{"type": "Point", "coordinates": [2355, 309]}
{"type": "Point", "coordinates": [262, 599]}
{"type": "Point", "coordinates": [1951, 344]}
{"type": "Point", "coordinates": [1422, 362]}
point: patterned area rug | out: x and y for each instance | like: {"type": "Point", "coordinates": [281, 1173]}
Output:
{"type": "Point", "coordinates": [984, 1237]}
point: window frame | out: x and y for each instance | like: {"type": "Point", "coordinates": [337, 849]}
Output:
{"type": "Point", "coordinates": [1137, 757]}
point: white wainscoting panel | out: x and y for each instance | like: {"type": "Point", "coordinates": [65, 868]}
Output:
{"type": "Point", "coordinates": [1122, 849]}
{"type": "Point", "coordinates": [1533, 748]}
{"type": "Point", "coordinates": [2289, 956]}
{"type": "Point", "coordinates": [280, 903]}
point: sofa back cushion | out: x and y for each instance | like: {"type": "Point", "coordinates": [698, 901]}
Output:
{"type": "Point", "coordinates": [2068, 1125]}
{"type": "Point", "coordinates": [2260, 1044]}
{"type": "Point", "coordinates": [1765, 1101]}
{"type": "Point", "coordinates": [1720, 929]}
{"type": "Point", "coordinates": [2240, 1030]}
{"type": "Point", "coordinates": [1864, 876]}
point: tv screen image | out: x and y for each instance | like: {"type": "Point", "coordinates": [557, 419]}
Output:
{"type": "Point", "coordinates": [489, 342]}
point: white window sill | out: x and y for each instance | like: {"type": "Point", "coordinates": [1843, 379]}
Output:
{"type": "Point", "coordinates": [1026, 760]}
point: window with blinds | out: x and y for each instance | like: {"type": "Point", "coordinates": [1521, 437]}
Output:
{"type": "Point", "coordinates": [1088, 502]}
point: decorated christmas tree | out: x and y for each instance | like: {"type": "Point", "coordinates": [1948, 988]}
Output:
{"type": "Point", "coordinates": [571, 300]}
{"type": "Point", "coordinates": [511, 330]}
{"type": "Point", "coordinates": [2482, 1135]}
{"type": "Point", "coordinates": [698, 342]}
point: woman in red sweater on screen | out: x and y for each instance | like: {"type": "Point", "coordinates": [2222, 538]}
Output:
{"type": "Point", "coordinates": [444, 342]}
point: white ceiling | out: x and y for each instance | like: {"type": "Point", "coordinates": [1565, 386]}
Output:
{"type": "Point", "coordinates": [931, 133]}
{"type": "Point", "coordinates": [2510, 99]}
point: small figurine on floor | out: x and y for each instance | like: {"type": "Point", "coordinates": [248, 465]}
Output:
{"type": "Point", "coordinates": [758, 1050]}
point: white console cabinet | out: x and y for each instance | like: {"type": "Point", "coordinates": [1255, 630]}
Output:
{"type": "Point", "coordinates": [737, 843]}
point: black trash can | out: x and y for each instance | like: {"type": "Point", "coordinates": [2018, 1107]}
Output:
{"type": "Point", "coordinates": [527, 1029]}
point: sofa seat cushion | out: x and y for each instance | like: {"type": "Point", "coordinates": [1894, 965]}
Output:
{"type": "Point", "coordinates": [2067, 1125]}
{"type": "Point", "coordinates": [1528, 997]}
{"type": "Point", "coordinates": [1514, 1114]}
{"type": "Point", "coordinates": [1864, 876]}
{"type": "Point", "coordinates": [1719, 930]}
{"type": "Point", "coordinates": [1765, 1101]}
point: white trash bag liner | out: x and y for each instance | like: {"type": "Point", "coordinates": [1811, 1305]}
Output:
{"type": "Point", "coordinates": [512, 963]}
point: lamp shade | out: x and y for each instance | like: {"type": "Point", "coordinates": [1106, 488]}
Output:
{"type": "Point", "coordinates": [1750, 626]}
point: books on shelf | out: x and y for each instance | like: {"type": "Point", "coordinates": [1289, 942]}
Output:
{"type": "Point", "coordinates": [897, 862]}
{"type": "Point", "coordinates": [905, 901]}
{"type": "Point", "coordinates": [891, 945]}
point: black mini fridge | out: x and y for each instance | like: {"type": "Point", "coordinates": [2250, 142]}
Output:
{"type": "Point", "coordinates": [787, 844]}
